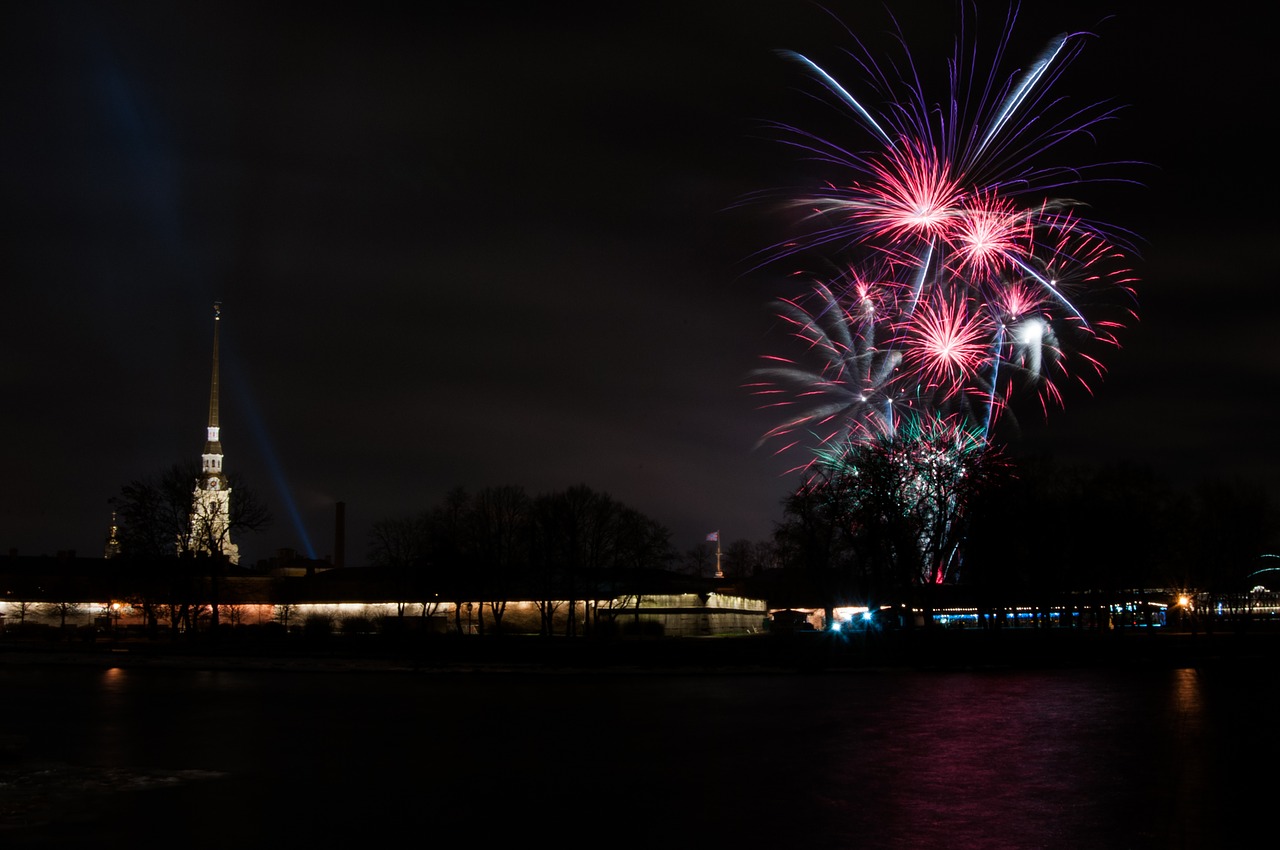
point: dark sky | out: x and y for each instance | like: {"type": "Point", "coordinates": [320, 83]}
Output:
{"type": "Point", "coordinates": [501, 245]}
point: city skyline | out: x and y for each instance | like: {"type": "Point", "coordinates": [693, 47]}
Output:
{"type": "Point", "coordinates": [475, 249]}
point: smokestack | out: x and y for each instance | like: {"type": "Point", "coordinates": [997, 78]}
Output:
{"type": "Point", "coordinates": [339, 534]}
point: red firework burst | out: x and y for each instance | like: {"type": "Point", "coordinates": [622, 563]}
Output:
{"type": "Point", "coordinates": [948, 343]}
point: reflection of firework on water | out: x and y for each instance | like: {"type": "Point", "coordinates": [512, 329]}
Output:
{"type": "Point", "coordinates": [968, 280]}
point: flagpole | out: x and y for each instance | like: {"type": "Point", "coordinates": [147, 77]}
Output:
{"type": "Point", "coordinates": [719, 572]}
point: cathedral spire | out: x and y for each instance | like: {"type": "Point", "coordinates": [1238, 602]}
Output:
{"type": "Point", "coordinates": [212, 459]}
{"type": "Point", "coordinates": [211, 503]}
{"type": "Point", "coordinates": [112, 548]}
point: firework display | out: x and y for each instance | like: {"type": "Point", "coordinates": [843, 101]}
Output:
{"type": "Point", "coordinates": [965, 275]}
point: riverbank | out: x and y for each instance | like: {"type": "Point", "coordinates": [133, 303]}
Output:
{"type": "Point", "coordinates": [798, 652]}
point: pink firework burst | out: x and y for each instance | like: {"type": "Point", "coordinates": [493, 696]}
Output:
{"type": "Point", "coordinates": [988, 236]}
{"type": "Point", "coordinates": [910, 195]}
{"type": "Point", "coordinates": [1014, 301]}
{"type": "Point", "coordinates": [948, 344]}
{"type": "Point", "coordinates": [984, 283]}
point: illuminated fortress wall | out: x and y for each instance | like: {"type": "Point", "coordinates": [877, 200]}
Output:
{"type": "Point", "coordinates": [677, 615]}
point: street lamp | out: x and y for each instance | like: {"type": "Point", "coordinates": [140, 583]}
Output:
{"type": "Point", "coordinates": [1184, 604]}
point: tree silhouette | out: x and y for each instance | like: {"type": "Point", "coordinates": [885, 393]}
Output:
{"type": "Point", "coordinates": [500, 529]}
{"type": "Point", "coordinates": [161, 530]}
{"type": "Point", "coordinates": [62, 610]}
{"type": "Point", "coordinates": [880, 517]}
{"type": "Point", "coordinates": [402, 547]}
{"type": "Point", "coordinates": [565, 548]}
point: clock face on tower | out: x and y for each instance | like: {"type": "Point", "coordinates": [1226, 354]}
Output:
{"type": "Point", "coordinates": [214, 484]}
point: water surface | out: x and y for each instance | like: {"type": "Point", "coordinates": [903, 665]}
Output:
{"type": "Point", "coordinates": [1108, 757]}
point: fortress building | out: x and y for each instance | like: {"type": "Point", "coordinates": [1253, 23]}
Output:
{"type": "Point", "coordinates": [211, 500]}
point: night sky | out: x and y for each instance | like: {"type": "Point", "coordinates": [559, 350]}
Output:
{"type": "Point", "coordinates": [503, 245]}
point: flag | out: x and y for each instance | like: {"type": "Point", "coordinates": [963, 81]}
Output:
{"type": "Point", "coordinates": [713, 537]}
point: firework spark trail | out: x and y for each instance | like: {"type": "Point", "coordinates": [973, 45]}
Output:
{"type": "Point", "coordinates": [844, 95]}
{"type": "Point", "coordinates": [966, 279]}
{"type": "Point", "coordinates": [1024, 88]}
{"type": "Point", "coordinates": [856, 382]}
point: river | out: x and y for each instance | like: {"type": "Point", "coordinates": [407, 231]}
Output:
{"type": "Point", "coordinates": [1112, 756]}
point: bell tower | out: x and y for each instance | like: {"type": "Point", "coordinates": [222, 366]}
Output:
{"type": "Point", "coordinates": [211, 501]}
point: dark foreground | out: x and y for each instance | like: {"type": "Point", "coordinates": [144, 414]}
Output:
{"type": "Point", "coordinates": [1017, 740]}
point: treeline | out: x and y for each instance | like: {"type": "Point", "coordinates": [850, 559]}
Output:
{"type": "Point", "coordinates": [1028, 530]}
{"type": "Point", "coordinates": [567, 548]}
{"type": "Point", "coordinates": [874, 533]}
{"type": "Point", "coordinates": [1108, 527]}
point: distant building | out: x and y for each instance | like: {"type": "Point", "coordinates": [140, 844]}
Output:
{"type": "Point", "coordinates": [44, 591]}
{"type": "Point", "coordinates": [112, 547]}
{"type": "Point", "coordinates": [211, 499]}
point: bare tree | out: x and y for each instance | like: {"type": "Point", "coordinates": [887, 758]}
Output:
{"type": "Point", "coordinates": [23, 608]}
{"type": "Point", "coordinates": [640, 543]}
{"type": "Point", "coordinates": [234, 613]}
{"type": "Point", "coordinates": [449, 553]}
{"type": "Point", "coordinates": [764, 556]}
{"type": "Point", "coordinates": [61, 610]}
{"type": "Point", "coordinates": [582, 538]}
{"type": "Point", "coordinates": [699, 560]}
{"type": "Point", "coordinates": [737, 561]}
{"type": "Point", "coordinates": [284, 614]}
{"type": "Point", "coordinates": [154, 513]}
{"type": "Point", "coordinates": [402, 547]}
{"type": "Point", "coordinates": [500, 529]}
{"type": "Point", "coordinates": [561, 547]}
{"type": "Point", "coordinates": [160, 518]}
{"type": "Point", "coordinates": [813, 540]}
{"type": "Point", "coordinates": [890, 513]}
{"type": "Point", "coordinates": [570, 538]}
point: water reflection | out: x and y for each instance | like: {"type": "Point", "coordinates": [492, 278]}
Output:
{"type": "Point", "coordinates": [1110, 758]}
{"type": "Point", "coordinates": [996, 759]}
